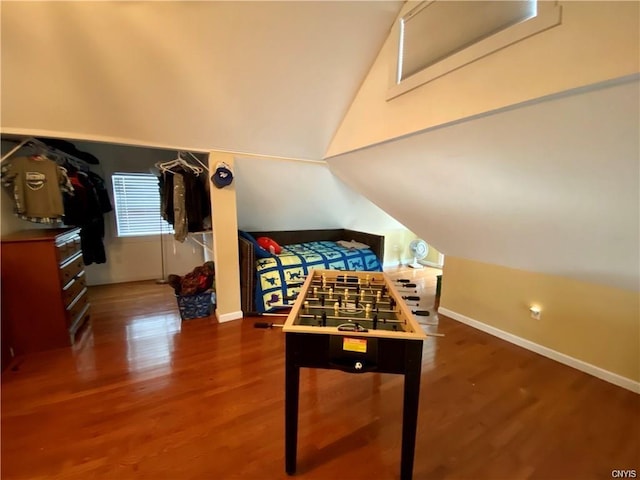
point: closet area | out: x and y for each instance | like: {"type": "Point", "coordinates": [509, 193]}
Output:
{"type": "Point", "coordinates": [60, 234]}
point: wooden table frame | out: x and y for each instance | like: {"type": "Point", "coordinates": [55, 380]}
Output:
{"type": "Point", "coordinates": [397, 353]}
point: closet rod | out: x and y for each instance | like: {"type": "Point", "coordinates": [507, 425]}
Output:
{"type": "Point", "coordinates": [41, 144]}
{"type": "Point", "coordinates": [14, 150]}
{"type": "Point", "coordinates": [198, 160]}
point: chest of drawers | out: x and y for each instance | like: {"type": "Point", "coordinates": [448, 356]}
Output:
{"type": "Point", "coordinates": [44, 292]}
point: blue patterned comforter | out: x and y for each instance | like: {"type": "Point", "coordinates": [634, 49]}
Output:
{"type": "Point", "coordinates": [280, 278]}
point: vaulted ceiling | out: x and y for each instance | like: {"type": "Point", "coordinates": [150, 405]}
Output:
{"type": "Point", "coordinates": [552, 186]}
{"type": "Point", "coordinates": [527, 158]}
{"type": "Point", "coordinates": [272, 78]}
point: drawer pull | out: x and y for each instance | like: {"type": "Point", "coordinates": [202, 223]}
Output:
{"type": "Point", "coordinates": [71, 268]}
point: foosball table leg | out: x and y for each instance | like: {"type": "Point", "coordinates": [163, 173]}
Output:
{"type": "Point", "coordinates": [292, 387]}
{"type": "Point", "coordinates": [413, 368]}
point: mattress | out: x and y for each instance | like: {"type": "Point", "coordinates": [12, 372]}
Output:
{"type": "Point", "coordinates": [280, 277]}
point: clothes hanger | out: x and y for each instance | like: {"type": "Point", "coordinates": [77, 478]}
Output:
{"type": "Point", "coordinates": [195, 169]}
{"type": "Point", "coordinates": [198, 160]}
{"type": "Point", "coordinates": [167, 166]}
{"type": "Point", "coordinates": [39, 152]}
{"type": "Point", "coordinates": [69, 166]}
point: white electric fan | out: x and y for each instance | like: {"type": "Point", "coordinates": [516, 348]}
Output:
{"type": "Point", "coordinates": [419, 249]}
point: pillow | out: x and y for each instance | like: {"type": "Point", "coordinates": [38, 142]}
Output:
{"type": "Point", "coordinates": [259, 251]}
{"type": "Point", "coordinates": [352, 245]}
{"type": "Point", "coordinates": [269, 245]}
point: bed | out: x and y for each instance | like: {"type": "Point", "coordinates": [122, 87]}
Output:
{"type": "Point", "coordinates": [270, 283]}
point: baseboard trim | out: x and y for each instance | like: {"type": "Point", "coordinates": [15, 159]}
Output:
{"type": "Point", "coordinates": [431, 264]}
{"type": "Point", "coordinates": [585, 367]}
{"type": "Point", "coordinates": [394, 263]}
{"type": "Point", "coordinates": [407, 261]}
{"type": "Point", "coordinates": [227, 317]}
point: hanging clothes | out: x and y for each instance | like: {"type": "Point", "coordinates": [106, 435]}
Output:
{"type": "Point", "coordinates": [180, 226]}
{"type": "Point", "coordinates": [101, 191]}
{"type": "Point", "coordinates": [191, 197]}
{"type": "Point", "coordinates": [45, 192]}
{"type": "Point", "coordinates": [37, 185]}
{"type": "Point", "coordinates": [85, 210]}
{"type": "Point", "coordinates": [165, 182]}
{"type": "Point", "coordinates": [197, 202]}
{"type": "Point", "coordinates": [96, 231]}
{"type": "Point", "coordinates": [76, 208]}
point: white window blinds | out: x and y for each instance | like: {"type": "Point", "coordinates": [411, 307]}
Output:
{"type": "Point", "coordinates": [137, 205]}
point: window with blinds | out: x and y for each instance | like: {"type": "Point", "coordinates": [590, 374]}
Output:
{"type": "Point", "coordinates": [137, 205]}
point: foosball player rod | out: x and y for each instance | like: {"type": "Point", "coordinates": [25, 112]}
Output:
{"type": "Point", "coordinates": [422, 313]}
{"type": "Point", "coordinates": [267, 325]}
{"type": "Point", "coordinates": [315, 320]}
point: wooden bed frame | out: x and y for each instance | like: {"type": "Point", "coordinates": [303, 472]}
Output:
{"type": "Point", "coordinates": [288, 237]}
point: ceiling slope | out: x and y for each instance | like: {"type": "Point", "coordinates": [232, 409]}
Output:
{"type": "Point", "coordinates": [272, 78]}
{"type": "Point", "coordinates": [294, 195]}
{"type": "Point", "coordinates": [551, 186]}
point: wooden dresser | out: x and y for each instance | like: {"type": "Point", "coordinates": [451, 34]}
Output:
{"type": "Point", "coordinates": [44, 292]}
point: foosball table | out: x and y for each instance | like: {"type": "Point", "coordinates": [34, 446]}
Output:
{"type": "Point", "coordinates": [355, 322]}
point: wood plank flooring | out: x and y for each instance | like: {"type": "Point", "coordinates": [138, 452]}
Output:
{"type": "Point", "coordinates": [143, 395]}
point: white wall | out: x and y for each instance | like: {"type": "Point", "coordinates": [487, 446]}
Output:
{"type": "Point", "coordinates": [261, 77]}
{"type": "Point", "coordinates": [526, 158]}
{"type": "Point", "coordinates": [551, 187]}
{"type": "Point", "coordinates": [275, 194]}
{"type": "Point", "coordinates": [597, 41]}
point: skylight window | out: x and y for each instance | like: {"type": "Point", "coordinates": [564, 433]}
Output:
{"type": "Point", "coordinates": [439, 36]}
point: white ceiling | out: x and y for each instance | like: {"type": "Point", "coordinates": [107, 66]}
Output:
{"type": "Point", "coordinates": [271, 78]}
{"type": "Point", "coordinates": [551, 186]}
{"type": "Point", "coordinates": [268, 199]}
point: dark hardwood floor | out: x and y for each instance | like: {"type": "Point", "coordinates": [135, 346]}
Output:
{"type": "Point", "coordinates": [144, 395]}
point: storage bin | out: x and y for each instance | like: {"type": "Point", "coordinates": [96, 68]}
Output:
{"type": "Point", "coordinates": [195, 306]}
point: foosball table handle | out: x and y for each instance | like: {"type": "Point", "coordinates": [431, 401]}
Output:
{"type": "Point", "coordinates": [267, 325]}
